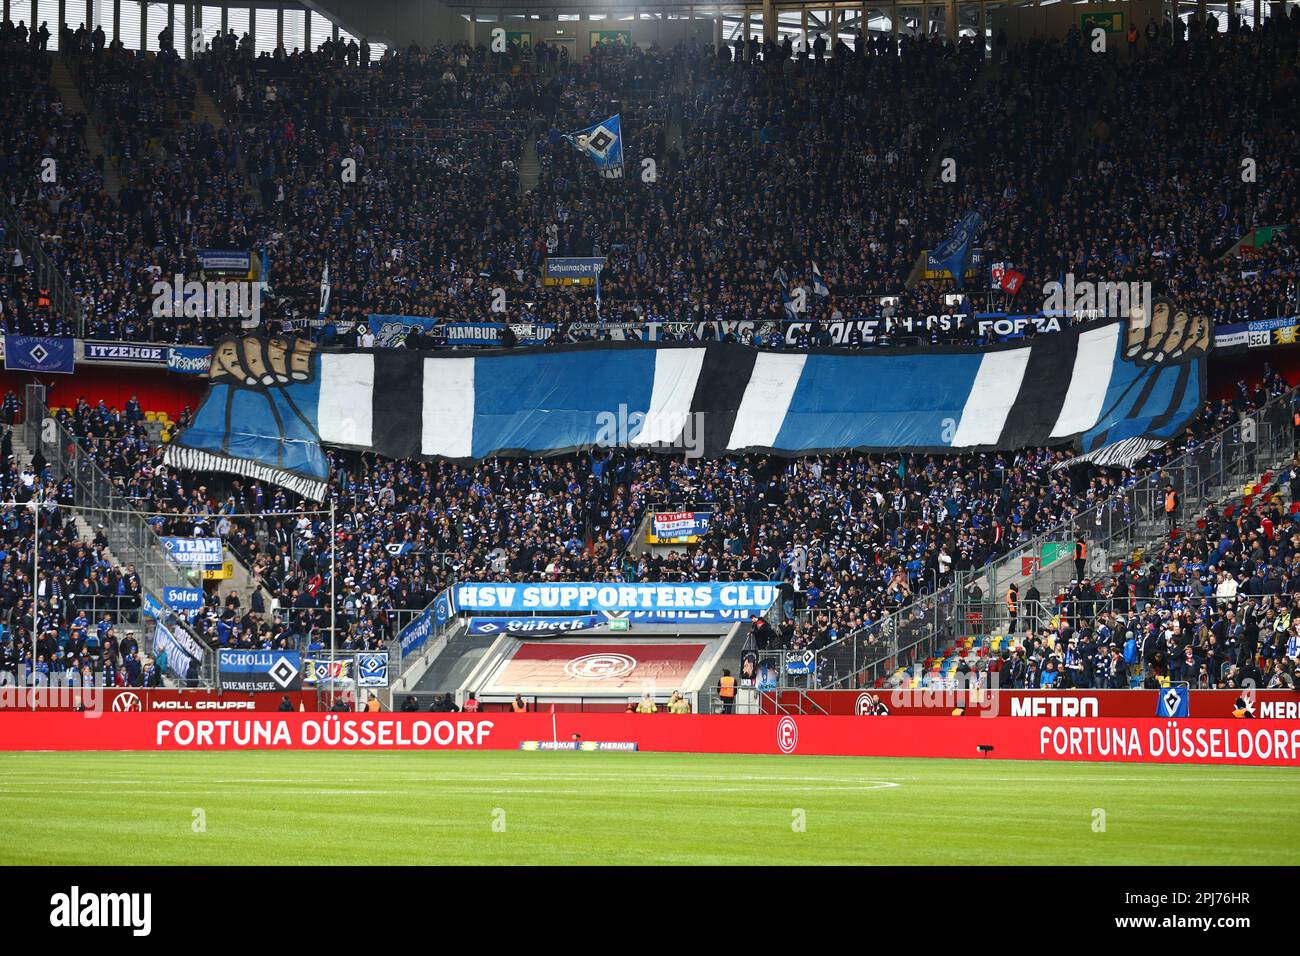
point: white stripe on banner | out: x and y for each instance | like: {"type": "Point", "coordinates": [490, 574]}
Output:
{"type": "Point", "coordinates": [767, 399]}
{"type": "Point", "coordinates": [346, 410]}
{"type": "Point", "coordinates": [997, 383]}
{"type": "Point", "coordinates": [677, 372]}
{"type": "Point", "coordinates": [1093, 364]}
{"type": "Point", "coordinates": [448, 426]}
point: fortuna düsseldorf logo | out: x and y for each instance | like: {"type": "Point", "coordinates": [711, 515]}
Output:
{"type": "Point", "coordinates": [787, 735]}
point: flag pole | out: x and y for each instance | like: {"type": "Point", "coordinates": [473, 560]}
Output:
{"type": "Point", "coordinates": [333, 577]}
{"type": "Point", "coordinates": [36, 572]}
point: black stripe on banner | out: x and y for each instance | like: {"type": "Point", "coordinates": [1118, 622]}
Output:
{"type": "Point", "coordinates": [1175, 400]}
{"type": "Point", "coordinates": [1042, 392]}
{"type": "Point", "coordinates": [724, 376]}
{"type": "Point", "coordinates": [398, 403]}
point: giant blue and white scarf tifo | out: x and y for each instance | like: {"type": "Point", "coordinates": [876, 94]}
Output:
{"type": "Point", "coordinates": [1073, 387]}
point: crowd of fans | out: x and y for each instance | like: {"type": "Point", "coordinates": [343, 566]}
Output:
{"type": "Point", "coordinates": [1218, 607]}
{"type": "Point", "coordinates": [402, 176]}
{"type": "Point", "coordinates": [852, 538]}
{"type": "Point", "coordinates": [86, 619]}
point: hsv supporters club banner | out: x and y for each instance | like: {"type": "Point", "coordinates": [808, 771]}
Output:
{"type": "Point", "coordinates": [274, 403]}
{"type": "Point", "coordinates": [590, 598]}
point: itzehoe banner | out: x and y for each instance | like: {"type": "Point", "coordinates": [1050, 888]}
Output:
{"type": "Point", "coordinates": [747, 596]}
{"type": "Point", "coordinates": [259, 670]}
{"type": "Point", "coordinates": [38, 353]}
{"type": "Point", "coordinates": [1103, 387]}
{"type": "Point", "coordinates": [197, 551]}
{"type": "Point", "coordinates": [536, 626]}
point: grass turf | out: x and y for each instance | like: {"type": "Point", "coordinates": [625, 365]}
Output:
{"type": "Point", "coordinates": [425, 807]}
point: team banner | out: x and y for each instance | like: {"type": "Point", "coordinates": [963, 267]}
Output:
{"type": "Point", "coordinates": [686, 617]}
{"type": "Point", "coordinates": [752, 597]}
{"type": "Point", "coordinates": [133, 353]}
{"type": "Point", "coordinates": [415, 634]}
{"type": "Point", "coordinates": [1259, 333]}
{"type": "Point", "coordinates": [603, 145]}
{"type": "Point", "coordinates": [489, 333]}
{"type": "Point", "coordinates": [391, 331]}
{"type": "Point", "coordinates": [678, 527]}
{"type": "Point", "coordinates": [152, 607]}
{"type": "Point", "coordinates": [189, 359]}
{"type": "Point", "coordinates": [175, 651]}
{"type": "Point", "coordinates": [372, 669]}
{"type": "Point", "coordinates": [259, 670]}
{"type": "Point", "coordinates": [202, 551]}
{"type": "Point", "coordinates": [318, 671]}
{"type": "Point", "coordinates": [535, 626]}
{"type": "Point", "coordinates": [225, 260]}
{"type": "Point", "coordinates": [572, 268]}
{"type": "Point", "coordinates": [185, 599]}
{"type": "Point", "coordinates": [39, 353]}
{"type": "Point", "coordinates": [442, 609]}
{"type": "Point", "coordinates": [274, 403]}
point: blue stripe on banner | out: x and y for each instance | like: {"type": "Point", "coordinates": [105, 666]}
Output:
{"type": "Point", "coordinates": [273, 426]}
{"type": "Point", "coordinates": [554, 400]}
{"type": "Point", "coordinates": [914, 400]}
{"type": "Point", "coordinates": [1137, 396]}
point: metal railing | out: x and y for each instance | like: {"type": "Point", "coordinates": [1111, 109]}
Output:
{"type": "Point", "coordinates": [1119, 528]}
{"type": "Point", "coordinates": [129, 536]}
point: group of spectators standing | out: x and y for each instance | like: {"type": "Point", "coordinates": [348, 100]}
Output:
{"type": "Point", "coordinates": [402, 178]}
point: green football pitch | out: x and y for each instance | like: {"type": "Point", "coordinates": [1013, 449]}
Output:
{"type": "Point", "coordinates": [519, 808]}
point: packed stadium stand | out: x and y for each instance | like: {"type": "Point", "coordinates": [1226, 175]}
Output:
{"type": "Point", "coordinates": [792, 190]}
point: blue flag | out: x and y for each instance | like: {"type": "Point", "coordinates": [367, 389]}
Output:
{"type": "Point", "coordinates": [37, 353]}
{"type": "Point", "coordinates": [603, 145]}
{"type": "Point", "coordinates": [1172, 702]}
{"type": "Point", "coordinates": [820, 288]}
{"type": "Point", "coordinates": [954, 253]}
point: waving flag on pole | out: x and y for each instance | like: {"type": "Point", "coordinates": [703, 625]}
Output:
{"type": "Point", "coordinates": [954, 253]}
{"type": "Point", "coordinates": [820, 288]}
{"type": "Point", "coordinates": [603, 145]}
{"type": "Point", "coordinates": [788, 302]}
{"type": "Point", "coordinates": [324, 291]}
